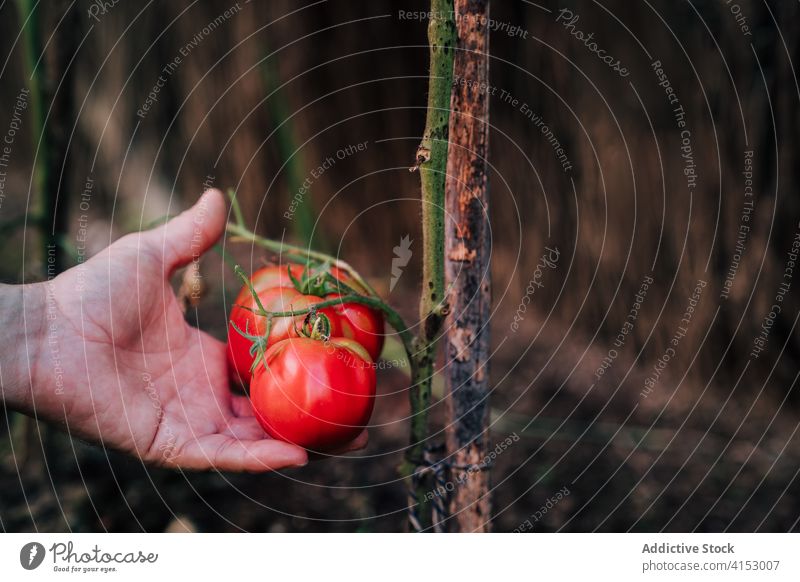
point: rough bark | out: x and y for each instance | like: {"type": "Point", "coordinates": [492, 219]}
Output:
{"type": "Point", "coordinates": [467, 246]}
{"type": "Point", "coordinates": [431, 162]}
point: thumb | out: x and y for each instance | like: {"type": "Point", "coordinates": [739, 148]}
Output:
{"type": "Point", "coordinates": [193, 232]}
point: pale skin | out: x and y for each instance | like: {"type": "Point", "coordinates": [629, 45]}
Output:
{"type": "Point", "coordinates": [104, 351]}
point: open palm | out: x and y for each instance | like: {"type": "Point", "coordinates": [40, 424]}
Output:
{"type": "Point", "coordinates": [136, 376]}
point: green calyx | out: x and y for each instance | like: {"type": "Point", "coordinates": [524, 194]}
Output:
{"type": "Point", "coordinates": [318, 280]}
{"type": "Point", "coordinates": [260, 343]}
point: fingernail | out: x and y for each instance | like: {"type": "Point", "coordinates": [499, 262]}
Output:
{"type": "Point", "coordinates": [303, 463]}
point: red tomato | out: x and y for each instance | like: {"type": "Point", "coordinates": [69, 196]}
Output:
{"type": "Point", "coordinates": [362, 324]}
{"type": "Point", "coordinates": [350, 320]}
{"type": "Point", "coordinates": [273, 299]}
{"type": "Point", "coordinates": [358, 321]}
{"type": "Point", "coordinates": [347, 279]}
{"type": "Point", "coordinates": [317, 395]}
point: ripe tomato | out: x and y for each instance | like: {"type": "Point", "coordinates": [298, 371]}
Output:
{"type": "Point", "coordinates": [273, 299]}
{"type": "Point", "coordinates": [359, 322]}
{"type": "Point", "coordinates": [276, 290]}
{"type": "Point", "coordinates": [269, 277]}
{"type": "Point", "coordinates": [317, 395]}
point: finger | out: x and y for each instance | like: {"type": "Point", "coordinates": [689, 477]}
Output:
{"type": "Point", "coordinates": [193, 232]}
{"type": "Point", "coordinates": [358, 443]}
{"type": "Point", "coordinates": [225, 453]}
{"type": "Point", "coordinates": [245, 428]}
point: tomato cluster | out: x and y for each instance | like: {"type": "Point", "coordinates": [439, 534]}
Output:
{"type": "Point", "coordinates": [315, 392]}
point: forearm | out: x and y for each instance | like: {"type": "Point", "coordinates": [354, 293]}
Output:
{"type": "Point", "coordinates": [22, 329]}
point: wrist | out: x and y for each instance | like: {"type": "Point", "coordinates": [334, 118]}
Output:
{"type": "Point", "coordinates": [23, 325]}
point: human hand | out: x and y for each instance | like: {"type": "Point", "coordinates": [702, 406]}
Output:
{"type": "Point", "coordinates": [134, 375]}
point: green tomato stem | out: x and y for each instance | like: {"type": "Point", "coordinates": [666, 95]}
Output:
{"type": "Point", "coordinates": [431, 161]}
{"type": "Point", "coordinates": [392, 317]}
{"type": "Point", "coordinates": [298, 254]}
{"type": "Point", "coordinates": [237, 209]}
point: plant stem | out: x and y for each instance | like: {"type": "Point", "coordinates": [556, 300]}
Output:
{"type": "Point", "coordinates": [431, 162]}
{"type": "Point", "coordinates": [291, 154]}
{"type": "Point", "coordinates": [37, 205]}
{"type": "Point", "coordinates": [32, 51]}
{"type": "Point", "coordinates": [296, 253]}
{"type": "Point", "coordinates": [392, 317]}
{"type": "Point", "coordinates": [237, 209]}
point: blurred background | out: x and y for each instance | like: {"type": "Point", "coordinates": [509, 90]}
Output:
{"type": "Point", "coordinates": [148, 103]}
